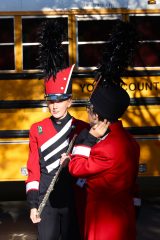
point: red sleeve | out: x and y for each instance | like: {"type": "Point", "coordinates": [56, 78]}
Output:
{"type": "Point", "coordinates": [85, 163]}
{"type": "Point", "coordinates": [33, 162]}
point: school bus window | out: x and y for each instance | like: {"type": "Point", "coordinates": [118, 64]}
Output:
{"type": "Point", "coordinates": [30, 28]}
{"type": "Point", "coordinates": [148, 55]}
{"type": "Point", "coordinates": [7, 44]}
{"type": "Point", "coordinates": [92, 34]}
{"type": "Point", "coordinates": [30, 35]}
{"type": "Point", "coordinates": [149, 38]}
{"type": "Point", "coordinates": [147, 26]}
{"type": "Point", "coordinates": [30, 57]}
{"type": "Point", "coordinates": [89, 55]}
{"type": "Point", "coordinates": [94, 30]}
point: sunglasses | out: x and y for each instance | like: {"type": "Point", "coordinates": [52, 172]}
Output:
{"type": "Point", "coordinates": [90, 108]}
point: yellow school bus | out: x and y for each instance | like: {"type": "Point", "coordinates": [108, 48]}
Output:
{"type": "Point", "coordinates": [87, 25]}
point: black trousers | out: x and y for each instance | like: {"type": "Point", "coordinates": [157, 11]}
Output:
{"type": "Point", "coordinates": [58, 224]}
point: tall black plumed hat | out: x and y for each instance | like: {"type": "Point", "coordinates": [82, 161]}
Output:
{"type": "Point", "coordinates": [52, 59]}
{"type": "Point", "coordinates": [109, 99]}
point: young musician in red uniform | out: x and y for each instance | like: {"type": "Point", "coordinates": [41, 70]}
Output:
{"type": "Point", "coordinates": [107, 157]}
{"type": "Point", "coordinates": [48, 140]}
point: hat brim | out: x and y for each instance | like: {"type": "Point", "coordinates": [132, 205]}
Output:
{"type": "Point", "coordinates": [57, 97]}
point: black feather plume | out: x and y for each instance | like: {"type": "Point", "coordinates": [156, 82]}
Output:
{"type": "Point", "coordinates": [51, 51]}
{"type": "Point", "coordinates": [118, 54]}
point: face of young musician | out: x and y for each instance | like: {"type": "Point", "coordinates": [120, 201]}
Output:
{"type": "Point", "coordinates": [92, 117]}
{"type": "Point", "coordinates": [58, 109]}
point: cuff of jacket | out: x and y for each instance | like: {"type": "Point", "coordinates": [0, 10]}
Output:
{"type": "Point", "coordinates": [90, 140]}
{"type": "Point", "coordinates": [32, 198]}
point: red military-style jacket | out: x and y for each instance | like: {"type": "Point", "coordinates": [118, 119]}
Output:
{"type": "Point", "coordinates": [47, 141]}
{"type": "Point", "coordinates": [110, 168]}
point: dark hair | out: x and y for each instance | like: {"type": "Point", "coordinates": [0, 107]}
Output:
{"type": "Point", "coordinates": [100, 117]}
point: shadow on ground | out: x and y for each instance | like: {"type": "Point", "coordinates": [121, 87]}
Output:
{"type": "Point", "coordinates": [16, 225]}
{"type": "Point", "coordinates": [148, 223]}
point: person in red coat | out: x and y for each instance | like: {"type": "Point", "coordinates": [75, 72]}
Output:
{"type": "Point", "coordinates": [48, 140]}
{"type": "Point", "coordinates": [106, 159]}
{"type": "Point", "coordinates": [110, 167]}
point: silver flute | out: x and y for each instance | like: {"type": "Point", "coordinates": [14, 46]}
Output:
{"type": "Point", "coordinates": [54, 180]}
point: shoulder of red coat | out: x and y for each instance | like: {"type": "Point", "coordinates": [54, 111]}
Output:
{"type": "Point", "coordinates": [41, 123]}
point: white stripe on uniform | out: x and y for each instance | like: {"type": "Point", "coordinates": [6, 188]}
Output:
{"type": "Point", "coordinates": [57, 136]}
{"type": "Point", "coordinates": [81, 150]}
{"type": "Point", "coordinates": [58, 149]}
{"type": "Point", "coordinates": [32, 186]}
{"type": "Point", "coordinates": [53, 165]}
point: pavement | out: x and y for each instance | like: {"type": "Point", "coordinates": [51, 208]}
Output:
{"type": "Point", "coordinates": [14, 221]}
{"type": "Point", "coordinates": [148, 223]}
{"type": "Point", "coordinates": [16, 225]}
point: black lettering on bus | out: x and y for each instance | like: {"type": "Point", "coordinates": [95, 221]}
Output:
{"type": "Point", "coordinates": [149, 85]}
{"type": "Point", "coordinates": [90, 87]}
{"type": "Point", "coordinates": [124, 86]}
{"type": "Point", "coordinates": [134, 86]}
{"type": "Point", "coordinates": [82, 86]}
{"type": "Point", "coordinates": [155, 84]}
{"type": "Point", "coordinates": [140, 86]}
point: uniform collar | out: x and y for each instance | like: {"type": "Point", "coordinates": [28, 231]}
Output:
{"type": "Point", "coordinates": [115, 125]}
{"type": "Point", "coordinates": [62, 121]}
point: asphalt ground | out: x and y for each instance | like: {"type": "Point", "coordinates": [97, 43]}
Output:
{"type": "Point", "coordinates": [14, 221]}
{"type": "Point", "coordinates": [148, 222]}
{"type": "Point", "coordinates": [16, 225]}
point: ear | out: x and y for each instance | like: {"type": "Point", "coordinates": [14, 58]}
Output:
{"type": "Point", "coordinates": [69, 102]}
{"type": "Point", "coordinates": [95, 116]}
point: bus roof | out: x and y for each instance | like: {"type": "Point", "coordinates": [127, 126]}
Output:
{"type": "Point", "coordinates": [44, 5]}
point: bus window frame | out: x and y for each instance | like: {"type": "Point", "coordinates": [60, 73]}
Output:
{"type": "Point", "coordinates": [37, 43]}
{"type": "Point", "coordinates": [10, 44]}
{"type": "Point", "coordinates": [73, 43]}
{"type": "Point", "coordinates": [90, 18]}
{"type": "Point", "coordinates": [145, 41]}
